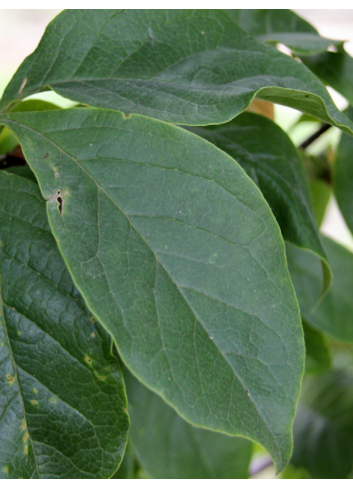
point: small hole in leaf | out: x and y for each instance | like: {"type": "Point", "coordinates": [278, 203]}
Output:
{"type": "Point", "coordinates": [60, 202]}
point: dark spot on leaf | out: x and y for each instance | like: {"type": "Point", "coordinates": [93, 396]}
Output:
{"type": "Point", "coordinates": [142, 102]}
{"type": "Point", "coordinates": [45, 156]}
{"type": "Point", "coordinates": [306, 96]}
{"type": "Point", "coordinates": [88, 360]}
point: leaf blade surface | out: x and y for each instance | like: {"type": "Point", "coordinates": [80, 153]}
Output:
{"type": "Point", "coordinates": [178, 255]}
{"type": "Point", "coordinates": [62, 392]}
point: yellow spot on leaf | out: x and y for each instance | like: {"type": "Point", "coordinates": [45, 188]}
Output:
{"type": "Point", "coordinates": [26, 449]}
{"type": "Point", "coordinates": [24, 424]}
{"type": "Point", "coordinates": [25, 437]}
{"type": "Point", "coordinates": [5, 469]}
{"type": "Point", "coordinates": [93, 335]}
{"type": "Point", "coordinates": [34, 401]}
{"type": "Point", "coordinates": [53, 400]}
{"type": "Point", "coordinates": [10, 379]}
{"type": "Point", "coordinates": [88, 360]}
{"type": "Point", "coordinates": [34, 390]}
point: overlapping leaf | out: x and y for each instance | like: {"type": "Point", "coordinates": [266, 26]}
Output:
{"type": "Point", "coordinates": [335, 70]}
{"type": "Point", "coordinates": [284, 26]}
{"type": "Point", "coordinates": [323, 427]}
{"type": "Point", "coordinates": [318, 354]}
{"type": "Point", "coordinates": [62, 397]}
{"type": "Point", "coordinates": [333, 314]}
{"type": "Point", "coordinates": [269, 157]}
{"type": "Point", "coordinates": [343, 176]}
{"type": "Point", "coordinates": [170, 448]}
{"type": "Point", "coordinates": [178, 254]}
{"type": "Point", "coordinates": [193, 67]}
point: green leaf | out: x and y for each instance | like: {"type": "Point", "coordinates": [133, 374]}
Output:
{"type": "Point", "coordinates": [334, 312]}
{"type": "Point", "coordinates": [170, 448]}
{"type": "Point", "coordinates": [63, 404]}
{"type": "Point", "coordinates": [318, 353]}
{"type": "Point", "coordinates": [7, 141]}
{"type": "Point", "coordinates": [343, 176]}
{"type": "Point", "coordinates": [194, 67]}
{"type": "Point", "coordinates": [22, 171]}
{"type": "Point", "coordinates": [284, 26]}
{"type": "Point", "coordinates": [291, 472]}
{"type": "Point", "coordinates": [34, 105]}
{"type": "Point", "coordinates": [335, 70]}
{"type": "Point", "coordinates": [320, 196]}
{"type": "Point", "coordinates": [269, 157]}
{"type": "Point", "coordinates": [178, 254]}
{"type": "Point", "coordinates": [127, 469]}
{"type": "Point", "coordinates": [323, 427]}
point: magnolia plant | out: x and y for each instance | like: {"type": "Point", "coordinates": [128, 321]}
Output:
{"type": "Point", "coordinates": [168, 305]}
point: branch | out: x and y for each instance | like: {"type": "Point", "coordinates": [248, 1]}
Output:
{"type": "Point", "coordinates": [316, 135]}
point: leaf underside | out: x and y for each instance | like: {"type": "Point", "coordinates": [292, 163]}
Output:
{"type": "Point", "coordinates": [178, 254]}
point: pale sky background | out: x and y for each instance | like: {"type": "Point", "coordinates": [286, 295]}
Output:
{"type": "Point", "coordinates": [21, 30]}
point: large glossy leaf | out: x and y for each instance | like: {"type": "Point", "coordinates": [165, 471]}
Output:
{"type": "Point", "coordinates": [335, 311]}
{"type": "Point", "coordinates": [62, 397]}
{"type": "Point", "coordinates": [193, 67]}
{"type": "Point", "coordinates": [343, 176]}
{"type": "Point", "coordinates": [284, 26]}
{"type": "Point", "coordinates": [323, 427]}
{"type": "Point", "coordinates": [178, 254]}
{"type": "Point", "coordinates": [269, 157]}
{"type": "Point", "coordinates": [170, 448]}
{"type": "Point", "coordinates": [335, 70]}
